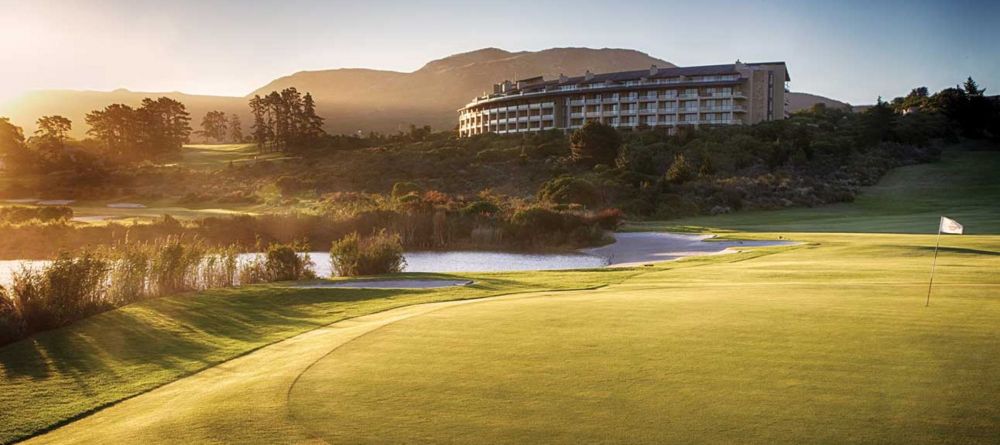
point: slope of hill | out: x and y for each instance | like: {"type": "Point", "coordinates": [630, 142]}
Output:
{"type": "Point", "coordinates": [801, 101]}
{"type": "Point", "coordinates": [355, 99]}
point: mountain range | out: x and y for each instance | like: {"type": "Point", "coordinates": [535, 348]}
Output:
{"type": "Point", "coordinates": [357, 99]}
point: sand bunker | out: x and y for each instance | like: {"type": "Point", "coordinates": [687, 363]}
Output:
{"type": "Point", "coordinates": [385, 284]}
{"type": "Point", "coordinates": [632, 249]}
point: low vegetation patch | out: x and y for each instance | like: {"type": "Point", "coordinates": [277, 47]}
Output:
{"type": "Point", "coordinates": [74, 287]}
{"type": "Point", "coordinates": [380, 253]}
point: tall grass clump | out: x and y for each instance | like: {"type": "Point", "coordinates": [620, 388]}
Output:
{"type": "Point", "coordinates": [380, 253]}
{"type": "Point", "coordinates": [77, 286]}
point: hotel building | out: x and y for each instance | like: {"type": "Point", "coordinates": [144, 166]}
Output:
{"type": "Point", "coordinates": [738, 93]}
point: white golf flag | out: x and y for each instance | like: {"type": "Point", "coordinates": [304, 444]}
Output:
{"type": "Point", "coordinates": [949, 225]}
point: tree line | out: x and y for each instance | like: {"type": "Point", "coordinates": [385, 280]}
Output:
{"type": "Point", "coordinates": [156, 128]}
{"type": "Point", "coordinates": [285, 120]}
{"type": "Point", "coordinates": [217, 126]}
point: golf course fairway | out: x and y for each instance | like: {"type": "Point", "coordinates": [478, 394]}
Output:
{"type": "Point", "coordinates": [824, 341]}
{"type": "Point", "coordinates": [827, 341]}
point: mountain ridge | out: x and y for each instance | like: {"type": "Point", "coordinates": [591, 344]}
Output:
{"type": "Point", "coordinates": [366, 99]}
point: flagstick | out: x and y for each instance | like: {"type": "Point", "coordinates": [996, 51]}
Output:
{"type": "Point", "coordinates": [933, 265]}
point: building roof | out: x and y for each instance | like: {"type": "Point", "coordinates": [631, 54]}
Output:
{"type": "Point", "coordinates": [539, 84]}
{"type": "Point", "coordinates": [624, 76]}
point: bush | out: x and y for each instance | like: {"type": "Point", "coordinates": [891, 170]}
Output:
{"type": "Point", "coordinates": [570, 190]}
{"type": "Point", "coordinates": [10, 319]}
{"type": "Point", "coordinates": [595, 143]}
{"type": "Point", "coordinates": [285, 264]}
{"type": "Point", "coordinates": [379, 254]}
{"type": "Point", "coordinates": [74, 287]}
{"type": "Point", "coordinates": [608, 219]}
{"type": "Point", "coordinates": [19, 214]}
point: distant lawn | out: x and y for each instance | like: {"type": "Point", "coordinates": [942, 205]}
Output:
{"type": "Point", "coordinates": [215, 156]}
{"type": "Point", "coordinates": [965, 186]}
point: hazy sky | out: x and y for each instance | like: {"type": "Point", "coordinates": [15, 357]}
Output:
{"type": "Point", "coordinates": [848, 50]}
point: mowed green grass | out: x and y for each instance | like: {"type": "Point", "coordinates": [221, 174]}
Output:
{"type": "Point", "coordinates": [219, 155]}
{"type": "Point", "coordinates": [964, 185]}
{"type": "Point", "coordinates": [825, 343]}
{"type": "Point", "coordinates": [60, 375]}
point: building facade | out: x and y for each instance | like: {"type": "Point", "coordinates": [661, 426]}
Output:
{"type": "Point", "coordinates": [739, 93]}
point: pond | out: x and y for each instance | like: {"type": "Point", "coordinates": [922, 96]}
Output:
{"type": "Point", "coordinates": [440, 262]}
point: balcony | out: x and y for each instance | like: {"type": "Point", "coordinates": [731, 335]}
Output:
{"type": "Point", "coordinates": [576, 115]}
{"type": "Point", "coordinates": [593, 101]}
{"type": "Point", "coordinates": [610, 113]}
{"type": "Point", "coordinates": [668, 110]}
{"type": "Point", "coordinates": [628, 111]}
{"type": "Point", "coordinates": [577, 102]}
{"type": "Point", "coordinates": [593, 114]}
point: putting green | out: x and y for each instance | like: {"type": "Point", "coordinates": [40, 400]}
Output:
{"type": "Point", "coordinates": [817, 345]}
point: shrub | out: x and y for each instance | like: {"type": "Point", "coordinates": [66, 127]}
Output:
{"type": "Point", "coordinates": [20, 214]}
{"type": "Point", "coordinates": [283, 263]}
{"type": "Point", "coordinates": [679, 171]}
{"type": "Point", "coordinates": [570, 190]}
{"type": "Point", "coordinates": [481, 208]}
{"type": "Point", "coordinates": [608, 219]}
{"type": "Point", "coordinates": [10, 319]}
{"type": "Point", "coordinates": [595, 143]}
{"type": "Point", "coordinates": [379, 254]}
{"type": "Point", "coordinates": [74, 287]}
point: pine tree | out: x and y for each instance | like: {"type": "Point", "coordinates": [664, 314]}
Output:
{"type": "Point", "coordinates": [235, 129]}
{"type": "Point", "coordinates": [972, 88]}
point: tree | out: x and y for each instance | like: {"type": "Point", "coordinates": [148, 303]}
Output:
{"type": "Point", "coordinates": [312, 124]}
{"type": "Point", "coordinates": [235, 129]}
{"type": "Point", "coordinates": [50, 137]}
{"type": "Point", "coordinates": [285, 120]}
{"type": "Point", "coordinates": [214, 125]}
{"type": "Point", "coordinates": [595, 143]}
{"type": "Point", "coordinates": [261, 128]}
{"type": "Point", "coordinates": [117, 127]}
{"type": "Point", "coordinates": [13, 152]}
{"type": "Point", "coordinates": [54, 128]}
{"type": "Point", "coordinates": [972, 88]}
{"type": "Point", "coordinates": [165, 123]}
{"type": "Point", "coordinates": [156, 128]}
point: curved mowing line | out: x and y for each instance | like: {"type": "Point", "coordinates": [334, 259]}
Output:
{"type": "Point", "coordinates": [444, 305]}
{"type": "Point", "coordinates": [456, 303]}
{"type": "Point", "coordinates": [745, 255]}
